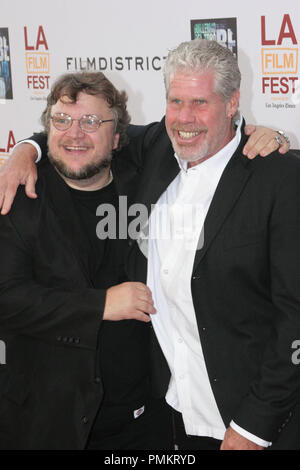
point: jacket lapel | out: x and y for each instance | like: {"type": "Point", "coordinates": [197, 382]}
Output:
{"type": "Point", "coordinates": [231, 185]}
{"type": "Point", "coordinates": [158, 172]}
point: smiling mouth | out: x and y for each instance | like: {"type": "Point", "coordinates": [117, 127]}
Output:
{"type": "Point", "coordinates": [188, 135]}
{"type": "Point", "coordinates": [75, 148]}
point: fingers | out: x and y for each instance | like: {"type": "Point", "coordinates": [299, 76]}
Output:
{"type": "Point", "coordinates": [146, 307]}
{"type": "Point", "coordinates": [18, 169]}
{"type": "Point", "coordinates": [8, 193]}
{"type": "Point", "coordinates": [285, 147]}
{"type": "Point", "coordinates": [1, 197]}
{"type": "Point", "coordinates": [263, 146]}
{"type": "Point", "coordinates": [129, 301]}
{"type": "Point", "coordinates": [139, 316]}
{"type": "Point", "coordinates": [249, 129]}
{"type": "Point", "coordinates": [30, 187]}
{"type": "Point", "coordinates": [7, 197]}
{"type": "Point", "coordinates": [143, 300]}
{"type": "Point", "coordinates": [262, 141]}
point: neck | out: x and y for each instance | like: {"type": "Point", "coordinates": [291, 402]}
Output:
{"type": "Point", "coordinates": [91, 184]}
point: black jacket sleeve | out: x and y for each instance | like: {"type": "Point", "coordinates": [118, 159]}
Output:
{"type": "Point", "coordinates": [38, 298]}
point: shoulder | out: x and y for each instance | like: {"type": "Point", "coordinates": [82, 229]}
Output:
{"type": "Point", "coordinates": [27, 208]}
{"type": "Point", "coordinates": [277, 175]}
{"type": "Point", "coordinates": [277, 164]}
{"type": "Point", "coordinates": [147, 135]}
{"type": "Point", "coordinates": [142, 139]}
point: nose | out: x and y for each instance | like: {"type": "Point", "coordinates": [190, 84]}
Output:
{"type": "Point", "coordinates": [185, 114]}
{"type": "Point", "coordinates": [75, 131]}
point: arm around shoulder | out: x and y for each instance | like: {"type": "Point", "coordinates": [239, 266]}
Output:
{"type": "Point", "coordinates": [20, 168]}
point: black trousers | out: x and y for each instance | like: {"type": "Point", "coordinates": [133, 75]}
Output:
{"type": "Point", "coordinates": [117, 429]}
{"type": "Point", "coordinates": [185, 442]}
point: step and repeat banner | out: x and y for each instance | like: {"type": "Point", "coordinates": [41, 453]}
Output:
{"type": "Point", "coordinates": [128, 41]}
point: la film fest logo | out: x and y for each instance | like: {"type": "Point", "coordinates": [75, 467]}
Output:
{"type": "Point", "coordinates": [7, 146]}
{"type": "Point", "coordinates": [37, 58]}
{"type": "Point", "coordinates": [279, 59]}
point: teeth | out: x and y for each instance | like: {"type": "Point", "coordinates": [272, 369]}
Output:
{"type": "Point", "coordinates": [188, 135]}
{"type": "Point", "coordinates": [76, 148]}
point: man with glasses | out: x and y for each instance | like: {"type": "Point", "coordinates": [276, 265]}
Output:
{"type": "Point", "coordinates": [76, 333]}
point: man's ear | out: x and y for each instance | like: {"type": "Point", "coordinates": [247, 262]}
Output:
{"type": "Point", "coordinates": [116, 141]}
{"type": "Point", "coordinates": [233, 104]}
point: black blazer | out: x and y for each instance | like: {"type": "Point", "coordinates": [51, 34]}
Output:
{"type": "Point", "coordinates": [245, 286]}
{"type": "Point", "coordinates": [50, 318]}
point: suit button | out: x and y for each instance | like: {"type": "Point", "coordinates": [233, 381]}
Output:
{"type": "Point", "coordinates": [84, 420]}
{"type": "Point", "coordinates": [59, 338]}
{"type": "Point", "coordinates": [76, 340]}
{"type": "Point", "coordinates": [97, 380]}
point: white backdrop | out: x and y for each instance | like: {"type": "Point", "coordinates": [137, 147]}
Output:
{"type": "Point", "coordinates": [41, 39]}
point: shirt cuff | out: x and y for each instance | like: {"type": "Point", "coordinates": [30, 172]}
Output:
{"type": "Point", "coordinates": [249, 436]}
{"type": "Point", "coordinates": [32, 142]}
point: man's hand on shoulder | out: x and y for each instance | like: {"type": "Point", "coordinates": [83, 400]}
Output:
{"type": "Point", "coordinates": [234, 441]}
{"type": "Point", "coordinates": [19, 169]}
{"type": "Point", "coordinates": [262, 141]}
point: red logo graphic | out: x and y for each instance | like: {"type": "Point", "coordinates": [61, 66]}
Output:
{"type": "Point", "coordinates": [37, 60]}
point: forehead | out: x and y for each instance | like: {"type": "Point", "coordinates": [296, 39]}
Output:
{"type": "Point", "coordinates": [84, 104]}
{"type": "Point", "coordinates": [192, 84]}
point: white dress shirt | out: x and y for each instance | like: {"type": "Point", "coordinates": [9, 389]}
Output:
{"type": "Point", "coordinates": [175, 226]}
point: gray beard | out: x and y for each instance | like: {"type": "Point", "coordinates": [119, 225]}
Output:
{"type": "Point", "coordinates": [87, 172]}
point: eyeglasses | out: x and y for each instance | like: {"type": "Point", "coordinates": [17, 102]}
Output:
{"type": "Point", "coordinates": [87, 123]}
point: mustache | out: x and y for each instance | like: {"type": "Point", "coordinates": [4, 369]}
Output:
{"type": "Point", "coordinates": [72, 143]}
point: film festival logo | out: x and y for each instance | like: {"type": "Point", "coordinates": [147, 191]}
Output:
{"type": "Point", "coordinates": [280, 63]}
{"type": "Point", "coordinates": [9, 144]}
{"type": "Point", "coordinates": [6, 89]}
{"type": "Point", "coordinates": [222, 30]}
{"type": "Point", "coordinates": [37, 58]}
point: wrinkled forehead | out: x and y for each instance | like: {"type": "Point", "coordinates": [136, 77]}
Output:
{"type": "Point", "coordinates": [201, 81]}
{"type": "Point", "coordinates": [85, 102]}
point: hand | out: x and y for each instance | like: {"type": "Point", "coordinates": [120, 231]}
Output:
{"type": "Point", "coordinates": [234, 441]}
{"type": "Point", "coordinates": [262, 142]}
{"type": "Point", "coordinates": [129, 301]}
{"type": "Point", "coordinates": [18, 169]}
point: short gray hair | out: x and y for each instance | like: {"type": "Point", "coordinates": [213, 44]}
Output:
{"type": "Point", "coordinates": [199, 55]}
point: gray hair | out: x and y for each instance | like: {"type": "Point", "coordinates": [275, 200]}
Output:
{"type": "Point", "coordinates": [200, 55]}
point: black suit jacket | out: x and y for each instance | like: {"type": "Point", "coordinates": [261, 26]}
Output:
{"type": "Point", "coordinates": [245, 287]}
{"type": "Point", "coordinates": [50, 318]}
